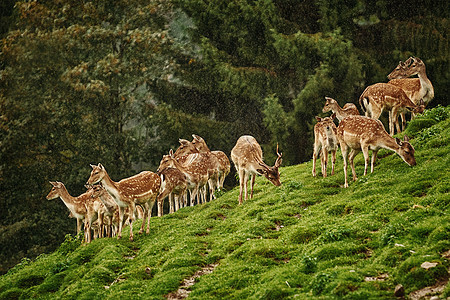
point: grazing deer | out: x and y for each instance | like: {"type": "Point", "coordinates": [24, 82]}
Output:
{"type": "Point", "coordinates": [141, 189]}
{"type": "Point", "coordinates": [325, 138]}
{"type": "Point", "coordinates": [174, 186]}
{"type": "Point", "coordinates": [384, 96]}
{"type": "Point", "coordinates": [196, 172]}
{"type": "Point", "coordinates": [416, 89]}
{"type": "Point", "coordinates": [360, 133]}
{"type": "Point", "coordinates": [222, 158]}
{"type": "Point", "coordinates": [349, 109]}
{"type": "Point", "coordinates": [83, 208]}
{"type": "Point", "coordinates": [247, 157]}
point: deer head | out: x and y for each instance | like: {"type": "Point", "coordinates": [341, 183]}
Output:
{"type": "Point", "coordinates": [399, 71]}
{"type": "Point", "coordinates": [185, 148]}
{"type": "Point", "coordinates": [54, 192]}
{"type": "Point", "coordinates": [330, 103]}
{"type": "Point", "coordinates": [97, 174]}
{"type": "Point", "coordinates": [271, 173]}
{"type": "Point", "coordinates": [200, 144]}
{"type": "Point", "coordinates": [406, 151]}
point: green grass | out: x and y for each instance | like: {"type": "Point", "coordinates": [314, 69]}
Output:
{"type": "Point", "coordinates": [309, 238]}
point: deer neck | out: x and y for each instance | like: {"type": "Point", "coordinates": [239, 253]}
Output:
{"type": "Point", "coordinates": [71, 202]}
{"type": "Point", "coordinates": [425, 86]}
{"type": "Point", "coordinates": [389, 143]}
{"type": "Point", "coordinates": [112, 188]}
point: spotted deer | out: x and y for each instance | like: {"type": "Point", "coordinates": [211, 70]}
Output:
{"type": "Point", "coordinates": [347, 110]}
{"type": "Point", "coordinates": [173, 185]}
{"type": "Point", "coordinates": [360, 133]}
{"type": "Point", "coordinates": [417, 89]}
{"type": "Point", "coordinates": [141, 189]}
{"type": "Point", "coordinates": [110, 207]}
{"type": "Point", "coordinates": [383, 96]}
{"type": "Point", "coordinates": [196, 173]}
{"type": "Point", "coordinates": [83, 207]}
{"type": "Point", "coordinates": [325, 139]}
{"type": "Point", "coordinates": [247, 157]}
{"type": "Point", "coordinates": [191, 158]}
{"type": "Point", "coordinates": [223, 161]}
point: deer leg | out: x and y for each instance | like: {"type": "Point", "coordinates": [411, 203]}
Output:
{"type": "Point", "coordinates": [333, 161]}
{"type": "Point", "coordinates": [365, 151]}
{"type": "Point", "coordinates": [161, 206]}
{"type": "Point", "coordinates": [351, 157]}
{"type": "Point", "coordinates": [241, 185]}
{"type": "Point", "coordinates": [374, 158]}
{"type": "Point", "coordinates": [395, 120]}
{"type": "Point", "coordinates": [252, 185]}
{"type": "Point", "coordinates": [315, 154]}
{"type": "Point", "coordinates": [79, 223]}
{"type": "Point", "coordinates": [403, 118]}
{"type": "Point", "coordinates": [324, 160]}
{"type": "Point", "coordinates": [344, 151]}
{"type": "Point", "coordinates": [100, 225]}
{"type": "Point", "coordinates": [131, 219]}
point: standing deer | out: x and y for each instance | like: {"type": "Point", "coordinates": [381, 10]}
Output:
{"type": "Point", "coordinates": [247, 157]}
{"type": "Point", "coordinates": [222, 159]}
{"type": "Point", "coordinates": [325, 138]}
{"type": "Point", "coordinates": [349, 109]}
{"type": "Point", "coordinates": [384, 96]}
{"type": "Point", "coordinates": [110, 207]}
{"type": "Point", "coordinates": [416, 89]}
{"type": "Point", "coordinates": [83, 208]}
{"type": "Point", "coordinates": [142, 189]}
{"type": "Point", "coordinates": [174, 186]}
{"type": "Point", "coordinates": [197, 162]}
{"type": "Point", "coordinates": [360, 133]}
{"type": "Point", "coordinates": [195, 172]}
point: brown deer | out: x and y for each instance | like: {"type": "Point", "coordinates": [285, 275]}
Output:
{"type": "Point", "coordinates": [83, 208]}
{"type": "Point", "coordinates": [223, 161]}
{"type": "Point", "coordinates": [416, 89]}
{"type": "Point", "coordinates": [384, 96]}
{"type": "Point", "coordinates": [360, 133]}
{"type": "Point", "coordinates": [196, 172]}
{"type": "Point", "coordinates": [141, 189]}
{"type": "Point", "coordinates": [191, 158]}
{"type": "Point", "coordinates": [325, 138]}
{"type": "Point", "coordinates": [174, 186]}
{"type": "Point", "coordinates": [348, 109]}
{"type": "Point", "coordinates": [110, 207]}
{"type": "Point", "coordinates": [247, 157]}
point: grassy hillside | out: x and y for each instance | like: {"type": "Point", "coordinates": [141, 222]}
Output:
{"type": "Point", "coordinates": [309, 238]}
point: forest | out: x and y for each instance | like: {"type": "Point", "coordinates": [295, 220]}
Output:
{"type": "Point", "coordinates": [119, 82]}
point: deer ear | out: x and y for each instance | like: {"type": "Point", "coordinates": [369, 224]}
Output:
{"type": "Point", "coordinates": [318, 119]}
{"type": "Point", "coordinates": [92, 166]}
{"type": "Point", "coordinates": [406, 138]}
{"type": "Point", "coordinates": [101, 166]}
{"type": "Point", "coordinates": [196, 137]}
{"type": "Point", "coordinates": [398, 141]}
{"type": "Point", "coordinates": [333, 116]}
{"type": "Point", "coordinates": [53, 183]}
{"type": "Point", "coordinates": [171, 152]}
{"type": "Point", "coordinates": [183, 141]}
{"type": "Point", "coordinates": [261, 171]}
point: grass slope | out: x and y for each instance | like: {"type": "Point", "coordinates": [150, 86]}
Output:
{"type": "Point", "coordinates": [309, 238]}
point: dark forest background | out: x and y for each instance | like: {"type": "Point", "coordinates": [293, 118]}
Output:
{"type": "Point", "coordinates": [119, 82]}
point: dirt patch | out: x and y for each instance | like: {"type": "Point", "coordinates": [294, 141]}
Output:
{"type": "Point", "coordinates": [429, 291]}
{"type": "Point", "coordinates": [183, 291]}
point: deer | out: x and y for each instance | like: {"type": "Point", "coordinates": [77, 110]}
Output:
{"type": "Point", "coordinates": [196, 172]}
{"type": "Point", "coordinates": [247, 157]}
{"type": "Point", "coordinates": [173, 185]}
{"type": "Point", "coordinates": [361, 133]}
{"type": "Point", "coordinates": [383, 96]}
{"type": "Point", "coordinates": [110, 206]}
{"type": "Point", "coordinates": [140, 189]}
{"type": "Point", "coordinates": [416, 89]}
{"type": "Point", "coordinates": [83, 207]}
{"type": "Point", "coordinates": [223, 161]}
{"type": "Point", "coordinates": [189, 156]}
{"type": "Point", "coordinates": [347, 110]}
{"type": "Point", "coordinates": [325, 139]}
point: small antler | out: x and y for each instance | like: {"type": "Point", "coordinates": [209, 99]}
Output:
{"type": "Point", "coordinates": [279, 159]}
